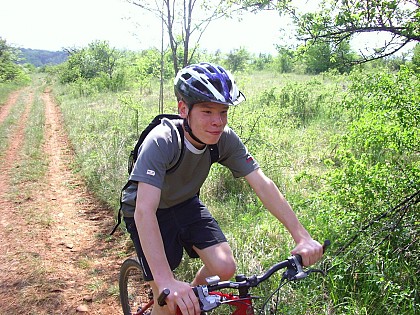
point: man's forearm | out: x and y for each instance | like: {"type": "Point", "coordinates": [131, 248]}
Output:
{"type": "Point", "coordinates": [152, 245]}
{"type": "Point", "coordinates": [278, 206]}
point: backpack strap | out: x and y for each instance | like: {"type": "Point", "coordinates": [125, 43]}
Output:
{"type": "Point", "coordinates": [120, 209]}
{"type": "Point", "coordinates": [214, 153]}
{"type": "Point", "coordinates": [181, 146]}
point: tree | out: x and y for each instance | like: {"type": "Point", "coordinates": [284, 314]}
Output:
{"type": "Point", "coordinates": [184, 19]}
{"type": "Point", "coordinates": [237, 60]}
{"type": "Point", "coordinates": [9, 70]}
{"type": "Point", "coordinates": [416, 58]}
{"type": "Point", "coordinates": [98, 61]}
{"type": "Point", "coordinates": [321, 56]}
{"type": "Point", "coordinates": [285, 59]}
{"type": "Point", "coordinates": [337, 22]}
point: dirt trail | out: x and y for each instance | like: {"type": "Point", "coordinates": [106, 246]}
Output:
{"type": "Point", "coordinates": [54, 253]}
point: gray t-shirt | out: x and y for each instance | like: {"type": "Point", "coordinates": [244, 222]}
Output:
{"type": "Point", "coordinates": [160, 151]}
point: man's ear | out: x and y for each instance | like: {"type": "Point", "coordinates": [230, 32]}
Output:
{"type": "Point", "coordinates": [183, 109]}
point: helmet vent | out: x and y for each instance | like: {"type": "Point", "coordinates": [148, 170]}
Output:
{"type": "Point", "coordinates": [186, 76]}
{"type": "Point", "coordinates": [200, 86]}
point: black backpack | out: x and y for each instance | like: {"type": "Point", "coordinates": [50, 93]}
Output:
{"type": "Point", "coordinates": [214, 151]}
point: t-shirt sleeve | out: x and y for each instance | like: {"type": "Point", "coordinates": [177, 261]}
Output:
{"type": "Point", "coordinates": [234, 154]}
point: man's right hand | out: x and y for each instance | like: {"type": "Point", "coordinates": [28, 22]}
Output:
{"type": "Point", "coordinates": [182, 296]}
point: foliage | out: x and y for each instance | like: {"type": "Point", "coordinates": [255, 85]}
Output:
{"type": "Point", "coordinates": [416, 58]}
{"type": "Point", "coordinates": [262, 62]}
{"type": "Point", "coordinates": [237, 60]}
{"type": "Point", "coordinates": [9, 70]}
{"type": "Point", "coordinates": [284, 60]}
{"type": "Point", "coordinates": [145, 69]}
{"type": "Point", "coordinates": [98, 63]}
{"type": "Point", "coordinates": [374, 167]}
{"type": "Point", "coordinates": [337, 22]}
{"type": "Point", "coordinates": [40, 58]}
{"type": "Point", "coordinates": [321, 57]}
{"type": "Point", "coordinates": [185, 22]}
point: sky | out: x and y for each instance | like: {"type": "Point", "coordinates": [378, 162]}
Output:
{"type": "Point", "coordinates": [56, 24]}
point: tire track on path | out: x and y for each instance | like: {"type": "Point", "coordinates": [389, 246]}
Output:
{"type": "Point", "coordinates": [11, 246]}
{"type": "Point", "coordinates": [5, 109]}
{"type": "Point", "coordinates": [54, 253]}
{"type": "Point", "coordinates": [78, 220]}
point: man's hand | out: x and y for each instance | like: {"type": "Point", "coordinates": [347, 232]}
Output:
{"type": "Point", "coordinates": [310, 250]}
{"type": "Point", "coordinates": [181, 295]}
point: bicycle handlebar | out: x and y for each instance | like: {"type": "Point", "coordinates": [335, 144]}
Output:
{"type": "Point", "coordinates": [294, 272]}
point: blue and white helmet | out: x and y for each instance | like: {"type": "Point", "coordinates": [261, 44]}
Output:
{"type": "Point", "coordinates": [206, 82]}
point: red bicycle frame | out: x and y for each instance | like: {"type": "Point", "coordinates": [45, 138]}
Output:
{"type": "Point", "coordinates": [243, 306]}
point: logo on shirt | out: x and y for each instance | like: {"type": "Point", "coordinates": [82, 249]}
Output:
{"type": "Point", "coordinates": [249, 159]}
{"type": "Point", "coordinates": [150, 172]}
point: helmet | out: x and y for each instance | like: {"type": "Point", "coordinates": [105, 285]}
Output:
{"type": "Point", "coordinates": [206, 82]}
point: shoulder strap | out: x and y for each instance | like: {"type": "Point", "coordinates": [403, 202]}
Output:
{"type": "Point", "coordinates": [143, 135]}
{"type": "Point", "coordinates": [181, 143]}
{"type": "Point", "coordinates": [214, 153]}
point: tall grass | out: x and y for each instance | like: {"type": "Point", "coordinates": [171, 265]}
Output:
{"type": "Point", "coordinates": [281, 123]}
{"type": "Point", "coordinates": [293, 125]}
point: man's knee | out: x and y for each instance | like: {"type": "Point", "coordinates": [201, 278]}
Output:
{"type": "Point", "coordinates": [224, 268]}
{"type": "Point", "coordinates": [219, 261]}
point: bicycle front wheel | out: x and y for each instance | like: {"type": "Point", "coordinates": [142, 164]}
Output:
{"type": "Point", "coordinates": [135, 292]}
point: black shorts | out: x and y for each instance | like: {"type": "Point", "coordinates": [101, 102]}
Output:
{"type": "Point", "coordinates": [182, 227]}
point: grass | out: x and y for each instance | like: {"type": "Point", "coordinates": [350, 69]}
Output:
{"type": "Point", "coordinates": [289, 123]}
{"type": "Point", "coordinates": [33, 164]}
{"type": "Point", "coordinates": [9, 124]}
{"type": "Point", "coordinates": [5, 89]}
{"type": "Point", "coordinates": [102, 129]}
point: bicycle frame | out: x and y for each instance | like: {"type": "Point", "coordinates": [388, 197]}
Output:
{"type": "Point", "coordinates": [243, 306]}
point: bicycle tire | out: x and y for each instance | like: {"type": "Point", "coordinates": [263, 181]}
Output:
{"type": "Point", "coordinates": [135, 292]}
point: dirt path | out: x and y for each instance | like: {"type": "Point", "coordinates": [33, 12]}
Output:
{"type": "Point", "coordinates": [55, 257]}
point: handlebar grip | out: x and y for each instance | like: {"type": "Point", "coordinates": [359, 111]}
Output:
{"type": "Point", "coordinates": [325, 245]}
{"type": "Point", "coordinates": [162, 296]}
{"type": "Point", "coordinates": [324, 248]}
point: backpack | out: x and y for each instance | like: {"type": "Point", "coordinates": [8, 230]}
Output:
{"type": "Point", "coordinates": [214, 151]}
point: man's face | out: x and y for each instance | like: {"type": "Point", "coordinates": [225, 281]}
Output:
{"type": "Point", "coordinates": [207, 121]}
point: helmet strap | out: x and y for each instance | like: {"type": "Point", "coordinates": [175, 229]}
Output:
{"type": "Point", "coordinates": [189, 130]}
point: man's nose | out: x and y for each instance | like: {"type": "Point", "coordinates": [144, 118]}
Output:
{"type": "Point", "coordinates": [218, 119]}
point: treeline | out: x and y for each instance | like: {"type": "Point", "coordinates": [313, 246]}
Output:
{"type": "Point", "coordinates": [10, 70]}
{"type": "Point", "coordinates": [40, 58]}
{"type": "Point", "coordinates": [100, 67]}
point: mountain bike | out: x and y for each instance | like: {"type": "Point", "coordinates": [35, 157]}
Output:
{"type": "Point", "coordinates": [137, 298]}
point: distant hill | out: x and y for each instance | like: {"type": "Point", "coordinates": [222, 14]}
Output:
{"type": "Point", "coordinates": [41, 58]}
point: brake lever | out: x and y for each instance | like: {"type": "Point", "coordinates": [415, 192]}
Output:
{"type": "Point", "coordinates": [295, 272]}
{"type": "Point", "coordinates": [300, 274]}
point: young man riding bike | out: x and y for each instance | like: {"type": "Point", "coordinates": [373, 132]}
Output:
{"type": "Point", "coordinates": [169, 217]}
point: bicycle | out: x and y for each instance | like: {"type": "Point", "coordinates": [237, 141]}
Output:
{"type": "Point", "coordinates": [137, 298]}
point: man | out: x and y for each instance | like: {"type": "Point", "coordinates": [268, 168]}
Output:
{"type": "Point", "coordinates": [169, 216]}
